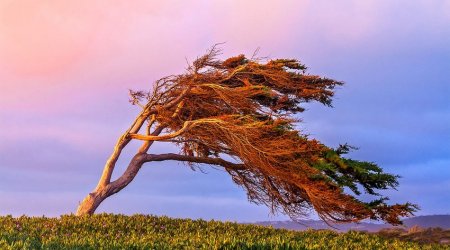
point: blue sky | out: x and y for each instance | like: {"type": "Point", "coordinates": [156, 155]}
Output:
{"type": "Point", "coordinates": [64, 102]}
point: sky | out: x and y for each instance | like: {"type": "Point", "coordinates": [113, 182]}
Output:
{"type": "Point", "coordinates": [66, 67]}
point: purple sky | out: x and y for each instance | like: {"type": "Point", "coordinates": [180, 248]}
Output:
{"type": "Point", "coordinates": [66, 67]}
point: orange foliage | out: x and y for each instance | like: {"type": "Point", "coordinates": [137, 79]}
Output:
{"type": "Point", "coordinates": [239, 114]}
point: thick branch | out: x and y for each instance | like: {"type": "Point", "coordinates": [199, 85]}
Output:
{"type": "Point", "coordinates": [127, 176]}
{"type": "Point", "coordinates": [105, 179]}
{"type": "Point", "coordinates": [139, 159]}
{"type": "Point", "coordinates": [120, 144]}
{"type": "Point", "coordinates": [186, 126]}
{"type": "Point", "coordinates": [146, 145]}
{"type": "Point", "coordinates": [194, 159]}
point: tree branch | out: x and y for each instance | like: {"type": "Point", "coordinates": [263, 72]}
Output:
{"type": "Point", "coordinates": [194, 159]}
{"type": "Point", "coordinates": [146, 145]}
{"type": "Point", "coordinates": [120, 144]}
{"type": "Point", "coordinates": [186, 126]}
{"type": "Point", "coordinates": [178, 99]}
{"type": "Point", "coordinates": [125, 139]}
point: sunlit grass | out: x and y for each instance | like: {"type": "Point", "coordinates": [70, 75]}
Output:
{"type": "Point", "coordinates": [106, 231]}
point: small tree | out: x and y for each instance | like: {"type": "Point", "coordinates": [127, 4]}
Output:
{"type": "Point", "coordinates": [238, 114]}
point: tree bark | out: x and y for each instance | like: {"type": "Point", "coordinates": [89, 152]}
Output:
{"type": "Point", "coordinates": [91, 202]}
{"type": "Point", "coordinates": [101, 192]}
{"type": "Point", "coordinates": [105, 187]}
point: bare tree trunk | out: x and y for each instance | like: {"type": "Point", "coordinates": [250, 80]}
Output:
{"type": "Point", "coordinates": [101, 192]}
{"type": "Point", "coordinates": [91, 202]}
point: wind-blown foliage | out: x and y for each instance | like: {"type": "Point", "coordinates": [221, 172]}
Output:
{"type": "Point", "coordinates": [240, 114]}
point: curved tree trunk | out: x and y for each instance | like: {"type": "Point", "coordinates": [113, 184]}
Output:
{"type": "Point", "coordinates": [105, 187]}
{"type": "Point", "coordinates": [101, 192]}
{"type": "Point", "coordinates": [91, 202]}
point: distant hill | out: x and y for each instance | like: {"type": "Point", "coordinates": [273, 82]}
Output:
{"type": "Point", "coordinates": [442, 221]}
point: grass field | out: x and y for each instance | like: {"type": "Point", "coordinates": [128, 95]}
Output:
{"type": "Point", "coordinates": [107, 231]}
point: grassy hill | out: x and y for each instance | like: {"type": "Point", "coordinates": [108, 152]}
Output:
{"type": "Point", "coordinates": [106, 231]}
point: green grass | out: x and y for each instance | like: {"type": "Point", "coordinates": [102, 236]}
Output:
{"type": "Point", "coordinates": [106, 231]}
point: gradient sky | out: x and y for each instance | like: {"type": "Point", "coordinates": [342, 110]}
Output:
{"type": "Point", "coordinates": [66, 67]}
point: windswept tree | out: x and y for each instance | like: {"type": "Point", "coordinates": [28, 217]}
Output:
{"type": "Point", "coordinates": [240, 115]}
